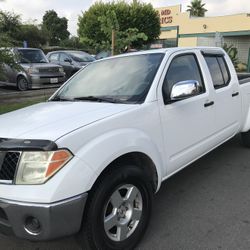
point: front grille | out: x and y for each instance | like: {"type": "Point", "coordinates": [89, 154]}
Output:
{"type": "Point", "coordinates": [49, 77]}
{"type": "Point", "coordinates": [49, 70]}
{"type": "Point", "coordinates": [9, 165]}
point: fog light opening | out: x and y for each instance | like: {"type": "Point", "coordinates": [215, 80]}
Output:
{"type": "Point", "coordinates": [32, 225]}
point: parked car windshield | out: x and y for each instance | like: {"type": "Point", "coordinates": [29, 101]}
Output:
{"type": "Point", "coordinates": [80, 56]}
{"type": "Point", "coordinates": [103, 54]}
{"type": "Point", "coordinates": [31, 56]}
{"type": "Point", "coordinates": [123, 79]}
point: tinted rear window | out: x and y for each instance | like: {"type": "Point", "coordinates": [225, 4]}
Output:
{"type": "Point", "coordinates": [218, 70]}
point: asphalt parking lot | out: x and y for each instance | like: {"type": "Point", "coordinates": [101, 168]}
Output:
{"type": "Point", "coordinates": [205, 206]}
{"type": "Point", "coordinates": [7, 89]}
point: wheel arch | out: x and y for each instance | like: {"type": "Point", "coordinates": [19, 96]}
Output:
{"type": "Point", "coordinates": [137, 159]}
{"type": "Point", "coordinates": [21, 75]}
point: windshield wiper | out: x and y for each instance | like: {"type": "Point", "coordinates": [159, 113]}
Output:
{"type": "Point", "coordinates": [60, 99]}
{"type": "Point", "coordinates": [98, 99]}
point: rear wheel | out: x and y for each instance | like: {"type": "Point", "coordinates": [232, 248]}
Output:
{"type": "Point", "coordinates": [245, 138]}
{"type": "Point", "coordinates": [22, 83]}
{"type": "Point", "coordinates": [118, 211]}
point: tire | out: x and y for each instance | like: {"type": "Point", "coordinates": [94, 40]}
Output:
{"type": "Point", "coordinates": [22, 83]}
{"type": "Point", "coordinates": [245, 138]}
{"type": "Point", "coordinates": [118, 211]}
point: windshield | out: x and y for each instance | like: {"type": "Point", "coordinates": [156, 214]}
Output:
{"type": "Point", "coordinates": [122, 79]}
{"type": "Point", "coordinates": [79, 56]}
{"type": "Point", "coordinates": [31, 56]}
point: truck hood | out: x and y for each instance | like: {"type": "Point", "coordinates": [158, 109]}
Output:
{"type": "Point", "coordinates": [52, 120]}
{"type": "Point", "coordinates": [39, 65]}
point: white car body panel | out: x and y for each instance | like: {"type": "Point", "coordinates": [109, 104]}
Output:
{"type": "Point", "coordinates": [51, 120]}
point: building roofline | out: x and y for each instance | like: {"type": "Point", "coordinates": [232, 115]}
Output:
{"type": "Point", "coordinates": [209, 16]}
{"type": "Point", "coordinates": [170, 6]}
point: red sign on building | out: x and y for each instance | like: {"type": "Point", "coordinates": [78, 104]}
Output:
{"type": "Point", "coordinates": [166, 17]}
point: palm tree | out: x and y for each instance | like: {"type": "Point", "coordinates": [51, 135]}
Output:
{"type": "Point", "coordinates": [197, 8]}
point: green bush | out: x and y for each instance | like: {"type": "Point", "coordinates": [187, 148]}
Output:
{"type": "Point", "coordinates": [233, 53]}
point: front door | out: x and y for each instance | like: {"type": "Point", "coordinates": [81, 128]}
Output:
{"type": "Point", "coordinates": [67, 65]}
{"type": "Point", "coordinates": [188, 125]}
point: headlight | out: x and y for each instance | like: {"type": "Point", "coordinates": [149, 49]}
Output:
{"type": "Point", "coordinates": [33, 70]}
{"type": "Point", "coordinates": [38, 167]}
{"type": "Point", "coordinates": [61, 70]}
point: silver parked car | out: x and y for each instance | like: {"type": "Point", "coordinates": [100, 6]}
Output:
{"type": "Point", "coordinates": [32, 70]}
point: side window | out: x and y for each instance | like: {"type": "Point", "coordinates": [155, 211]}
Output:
{"type": "Point", "coordinates": [182, 68]}
{"type": "Point", "coordinates": [218, 70]}
{"type": "Point", "coordinates": [224, 70]}
{"type": "Point", "coordinates": [63, 57]}
{"type": "Point", "coordinates": [54, 57]}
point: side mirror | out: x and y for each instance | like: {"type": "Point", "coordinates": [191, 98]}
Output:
{"type": "Point", "coordinates": [185, 89]}
{"type": "Point", "coordinates": [68, 60]}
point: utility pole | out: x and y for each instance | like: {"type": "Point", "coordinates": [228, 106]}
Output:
{"type": "Point", "coordinates": [113, 43]}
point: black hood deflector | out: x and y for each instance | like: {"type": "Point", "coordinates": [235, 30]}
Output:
{"type": "Point", "coordinates": [26, 145]}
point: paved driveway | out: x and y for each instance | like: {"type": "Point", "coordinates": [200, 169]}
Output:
{"type": "Point", "coordinates": [206, 206]}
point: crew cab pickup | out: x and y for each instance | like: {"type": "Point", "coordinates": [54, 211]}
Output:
{"type": "Point", "coordinates": [88, 161]}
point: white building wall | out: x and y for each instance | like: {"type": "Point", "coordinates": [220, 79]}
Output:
{"type": "Point", "coordinates": [206, 41]}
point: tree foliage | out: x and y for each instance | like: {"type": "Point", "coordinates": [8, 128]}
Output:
{"type": "Point", "coordinates": [138, 23]}
{"type": "Point", "coordinates": [55, 27]}
{"type": "Point", "coordinates": [73, 43]}
{"type": "Point", "coordinates": [13, 33]}
{"type": "Point", "coordinates": [10, 24]}
{"type": "Point", "coordinates": [123, 39]}
{"type": "Point", "coordinates": [34, 36]}
{"type": "Point", "coordinates": [197, 8]}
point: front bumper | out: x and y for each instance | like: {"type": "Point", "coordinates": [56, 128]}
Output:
{"type": "Point", "coordinates": [42, 81]}
{"type": "Point", "coordinates": [38, 222]}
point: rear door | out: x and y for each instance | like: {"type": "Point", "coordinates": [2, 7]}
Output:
{"type": "Point", "coordinates": [227, 99]}
{"type": "Point", "coordinates": [188, 125]}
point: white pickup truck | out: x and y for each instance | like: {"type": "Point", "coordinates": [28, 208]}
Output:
{"type": "Point", "coordinates": [88, 161]}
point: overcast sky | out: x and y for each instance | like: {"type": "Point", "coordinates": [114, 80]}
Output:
{"type": "Point", "coordinates": [71, 9]}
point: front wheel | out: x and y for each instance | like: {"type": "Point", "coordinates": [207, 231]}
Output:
{"type": "Point", "coordinates": [118, 211]}
{"type": "Point", "coordinates": [22, 83]}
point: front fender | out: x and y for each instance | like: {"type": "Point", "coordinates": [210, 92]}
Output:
{"type": "Point", "coordinates": [103, 150]}
{"type": "Point", "coordinates": [23, 74]}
